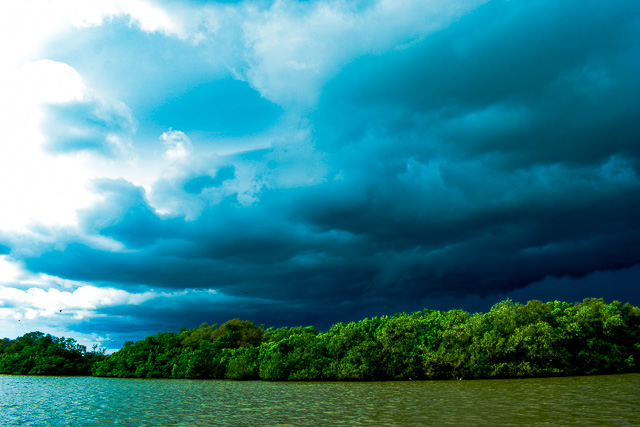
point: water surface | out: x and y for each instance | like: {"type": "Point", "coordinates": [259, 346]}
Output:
{"type": "Point", "coordinates": [596, 400]}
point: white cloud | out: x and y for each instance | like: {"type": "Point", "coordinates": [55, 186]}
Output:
{"type": "Point", "coordinates": [9, 272]}
{"type": "Point", "coordinates": [48, 302]}
{"type": "Point", "coordinates": [55, 311]}
{"type": "Point", "coordinates": [27, 24]}
{"type": "Point", "coordinates": [177, 143]}
{"type": "Point", "coordinates": [47, 81]}
{"type": "Point", "coordinates": [81, 303]}
{"type": "Point", "coordinates": [151, 18]}
{"type": "Point", "coordinates": [37, 187]}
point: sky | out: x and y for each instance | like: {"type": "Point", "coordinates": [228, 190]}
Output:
{"type": "Point", "coordinates": [165, 163]}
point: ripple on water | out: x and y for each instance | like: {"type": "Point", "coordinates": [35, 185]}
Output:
{"type": "Point", "coordinates": [584, 401]}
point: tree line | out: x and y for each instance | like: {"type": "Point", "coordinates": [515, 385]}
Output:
{"type": "Point", "coordinates": [35, 353]}
{"type": "Point", "coordinates": [511, 340]}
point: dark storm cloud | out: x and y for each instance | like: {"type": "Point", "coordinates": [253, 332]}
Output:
{"type": "Point", "coordinates": [545, 82]}
{"type": "Point", "coordinates": [230, 247]}
{"type": "Point", "coordinates": [169, 313]}
{"type": "Point", "coordinates": [493, 154]}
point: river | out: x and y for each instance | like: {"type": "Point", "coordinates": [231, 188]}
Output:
{"type": "Point", "coordinates": [59, 401]}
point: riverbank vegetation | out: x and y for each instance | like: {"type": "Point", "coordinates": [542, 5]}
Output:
{"type": "Point", "coordinates": [38, 354]}
{"type": "Point", "coordinates": [511, 340]}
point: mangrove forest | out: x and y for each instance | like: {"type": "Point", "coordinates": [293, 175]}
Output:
{"type": "Point", "coordinates": [511, 340]}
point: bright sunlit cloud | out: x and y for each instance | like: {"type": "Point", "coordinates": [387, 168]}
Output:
{"type": "Point", "coordinates": [36, 186]}
{"type": "Point", "coordinates": [8, 271]}
{"type": "Point", "coordinates": [178, 145]}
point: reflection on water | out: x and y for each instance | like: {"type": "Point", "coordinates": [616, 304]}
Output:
{"type": "Point", "coordinates": [598, 400]}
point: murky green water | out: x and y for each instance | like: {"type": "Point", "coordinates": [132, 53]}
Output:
{"type": "Point", "coordinates": [611, 400]}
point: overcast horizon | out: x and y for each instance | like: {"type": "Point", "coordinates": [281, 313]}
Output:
{"type": "Point", "coordinates": [165, 163]}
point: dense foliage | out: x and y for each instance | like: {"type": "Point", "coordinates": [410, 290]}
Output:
{"type": "Point", "coordinates": [511, 340]}
{"type": "Point", "coordinates": [38, 354]}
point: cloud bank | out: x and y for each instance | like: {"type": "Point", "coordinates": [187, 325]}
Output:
{"type": "Point", "coordinates": [310, 162]}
